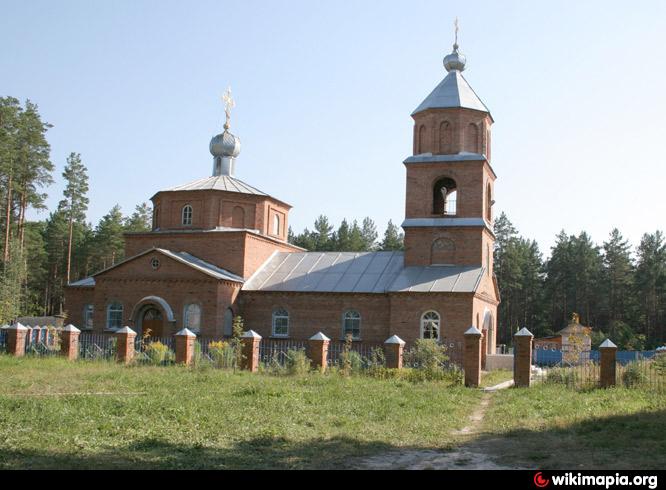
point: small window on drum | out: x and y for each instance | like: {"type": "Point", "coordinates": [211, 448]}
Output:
{"type": "Point", "coordinates": [187, 215]}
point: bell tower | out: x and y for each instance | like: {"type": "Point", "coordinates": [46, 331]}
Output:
{"type": "Point", "coordinates": [449, 195]}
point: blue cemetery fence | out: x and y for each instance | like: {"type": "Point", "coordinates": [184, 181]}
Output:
{"type": "Point", "coordinates": [553, 357]}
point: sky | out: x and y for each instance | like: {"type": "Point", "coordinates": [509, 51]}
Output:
{"type": "Point", "coordinates": [324, 93]}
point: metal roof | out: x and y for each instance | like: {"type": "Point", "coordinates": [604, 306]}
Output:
{"type": "Point", "coordinates": [453, 91]}
{"type": "Point", "coordinates": [438, 279]}
{"type": "Point", "coordinates": [357, 272]}
{"type": "Point", "coordinates": [463, 156]}
{"type": "Point", "coordinates": [201, 265]}
{"type": "Point", "coordinates": [218, 183]}
{"type": "Point", "coordinates": [87, 282]}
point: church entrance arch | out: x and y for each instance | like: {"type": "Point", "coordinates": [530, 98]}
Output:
{"type": "Point", "coordinates": [152, 322]}
{"type": "Point", "coordinates": [155, 314]}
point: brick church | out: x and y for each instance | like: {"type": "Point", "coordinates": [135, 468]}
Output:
{"type": "Point", "coordinates": [218, 248]}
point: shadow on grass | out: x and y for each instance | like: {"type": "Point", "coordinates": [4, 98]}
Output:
{"type": "Point", "coordinates": [259, 453]}
{"type": "Point", "coordinates": [635, 441]}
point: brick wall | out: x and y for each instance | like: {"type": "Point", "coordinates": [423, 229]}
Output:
{"type": "Point", "coordinates": [238, 252]}
{"type": "Point", "coordinates": [428, 136]}
{"type": "Point", "coordinates": [212, 208]}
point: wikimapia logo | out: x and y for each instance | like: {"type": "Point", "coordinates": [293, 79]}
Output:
{"type": "Point", "coordinates": [607, 481]}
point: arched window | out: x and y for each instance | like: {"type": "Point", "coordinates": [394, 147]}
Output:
{"type": "Point", "coordinates": [280, 323]}
{"type": "Point", "coordinates": [430, 324]}
{"type": "Point", "coordinates": [192, 317]}
{"type": "Point", "coordinates": [156, 217]}
{"type": "Point", "coordinates": [422, 140]}
{"type": "Point", "coordinates": [488, 144]}
{"type": "Point", "coordinates": [445, 138]}
{"type": "Point", "coordinates": [187, 215]}
{"type": "Point", "coordinates": [472, 138]}
{"type": "Point", "coordinates": [351, 324]}
{"type": "Point", "coordinates": [276, 224]}
{"type": "Point", "coordinates": [114, 316]}
{"type": "Point", "coordinates": [443, 252]}
{"type": "Point", "coordinates": [488, 257]}
{"type": "Point", "coordinates": [238, 217]}
{"type": "Point", "coordinates": [88, 311]}
{"type": "Point", "coordinates": [444, 197]}
{"type": "Point", "coordinates": [489, 203]}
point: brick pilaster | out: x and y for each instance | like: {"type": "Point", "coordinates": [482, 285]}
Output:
{"type": "Point", "coordinates": [69, 346]}
{"type": "Point", "coordinates": [125, 346]}
{"type": "Point", "coordinates": [185, 346]}
{"type": "Point", "coordinates": [16, 335]}
{"type": "Point", "coordinates": [522, 358]}
{"type": "Point", "coordinates": [472, 358]}
{"type": "Point", "coordinates": [607, 369]}
{"type": "Point", "coordinates": [318, 351]}
{"type": "Point", "coordinates": [250, 348]}
{"type": "Point", "coordinates": [393, 350]}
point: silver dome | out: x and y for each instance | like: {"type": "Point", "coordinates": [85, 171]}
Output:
{"type": "Point", "coordinates": [455, 60]}
{"type": "Point", "coordinates": [225, 145]}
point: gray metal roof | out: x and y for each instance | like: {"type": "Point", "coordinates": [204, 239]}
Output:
{"type": "Point", "coordinates": [357, 272]}
{"type": "Point", "coordinates": [453, 91]}
{"type": "Point", "coordinates": [218, 183]}
{"type": "Point", "coordinates": [201, 265]}
{"type": "Point", "coordinates": [438, 279]}
{"type": "Point", "coordinates": [87, 282]}
{"type": "Point", "coordinates": [430, 222]}
{"type": "Point", "coordinates": [463, 156]}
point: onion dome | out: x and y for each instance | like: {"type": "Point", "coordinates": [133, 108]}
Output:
{"type": "Point", "coordinates": [225, 145]}
{"type": "Point", "coordinates": [455, 60]}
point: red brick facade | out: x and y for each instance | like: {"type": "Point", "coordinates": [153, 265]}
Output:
{"type": "Point", "coordinates": [238, 232]}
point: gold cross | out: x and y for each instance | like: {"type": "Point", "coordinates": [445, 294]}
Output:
{"type": "Point", "coordinates": [229, 103]}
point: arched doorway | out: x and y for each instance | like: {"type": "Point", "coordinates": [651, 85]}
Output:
{"type": "Point", "coordinates": [152, 322]}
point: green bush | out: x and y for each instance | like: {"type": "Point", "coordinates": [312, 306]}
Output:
{"type": "Point", "coordinates": [563, 376]}
{"type": "Point", "coordinates": [427, 356]}
{"type": "Point", "coordinates": [634, 375]}
{"type": "Point", "coordinates": [223, 354]}
{"type": "Point", "coordinates": [297, 362]}
{"type": "Point", "coordinates": [158, 353]}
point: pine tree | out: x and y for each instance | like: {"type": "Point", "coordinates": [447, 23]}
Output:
{"type": "Point", "coordinates": [651, 285]}
{"type": "Point", "coordinates": [369, 234]}
{"type": "Point", "coordinates": [12, 278]}
{"type": "Point", "coordinates": [322, 234]}
{"type": "Point", "coordinates": [76, 201]}
{"type": "Point", "coordinates": [343, 237]}
{"type": "Point", "coordinates": [140, 220]}
{"type": "Point", "coordinates": [33, 166]}
{"type": "Point", "coordinates": [617, 278]}
{"type": "Point", "coordinates": [393, 238]}
{"type": "Point", "coordinates": [109, 243]}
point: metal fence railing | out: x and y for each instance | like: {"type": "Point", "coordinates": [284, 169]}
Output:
{"type": "Point", "coordinates": [581, 370]}
{"type": "Point", "coordinates": [275, 351]}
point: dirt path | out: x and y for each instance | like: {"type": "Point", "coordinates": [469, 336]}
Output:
{"type": "Point", "coordinates": [470, 454]}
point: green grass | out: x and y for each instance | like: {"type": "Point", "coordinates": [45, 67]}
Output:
{"type": "Point", "coordinates": [551, 426]}
{"type": "Point", "coordinates": [59, 414]}
{"type": "Point", "coordinates": [495, 377]}
{"type": "Point", "coordinates": [211, 418]}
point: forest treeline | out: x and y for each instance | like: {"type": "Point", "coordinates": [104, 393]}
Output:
{"type": "Point", "coordinates": [40, 257]}
{"type": "Point", "coordinates": [618, 290]}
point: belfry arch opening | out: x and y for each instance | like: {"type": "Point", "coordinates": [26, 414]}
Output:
{"type": "Point", "coordinates": [445, 197]}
